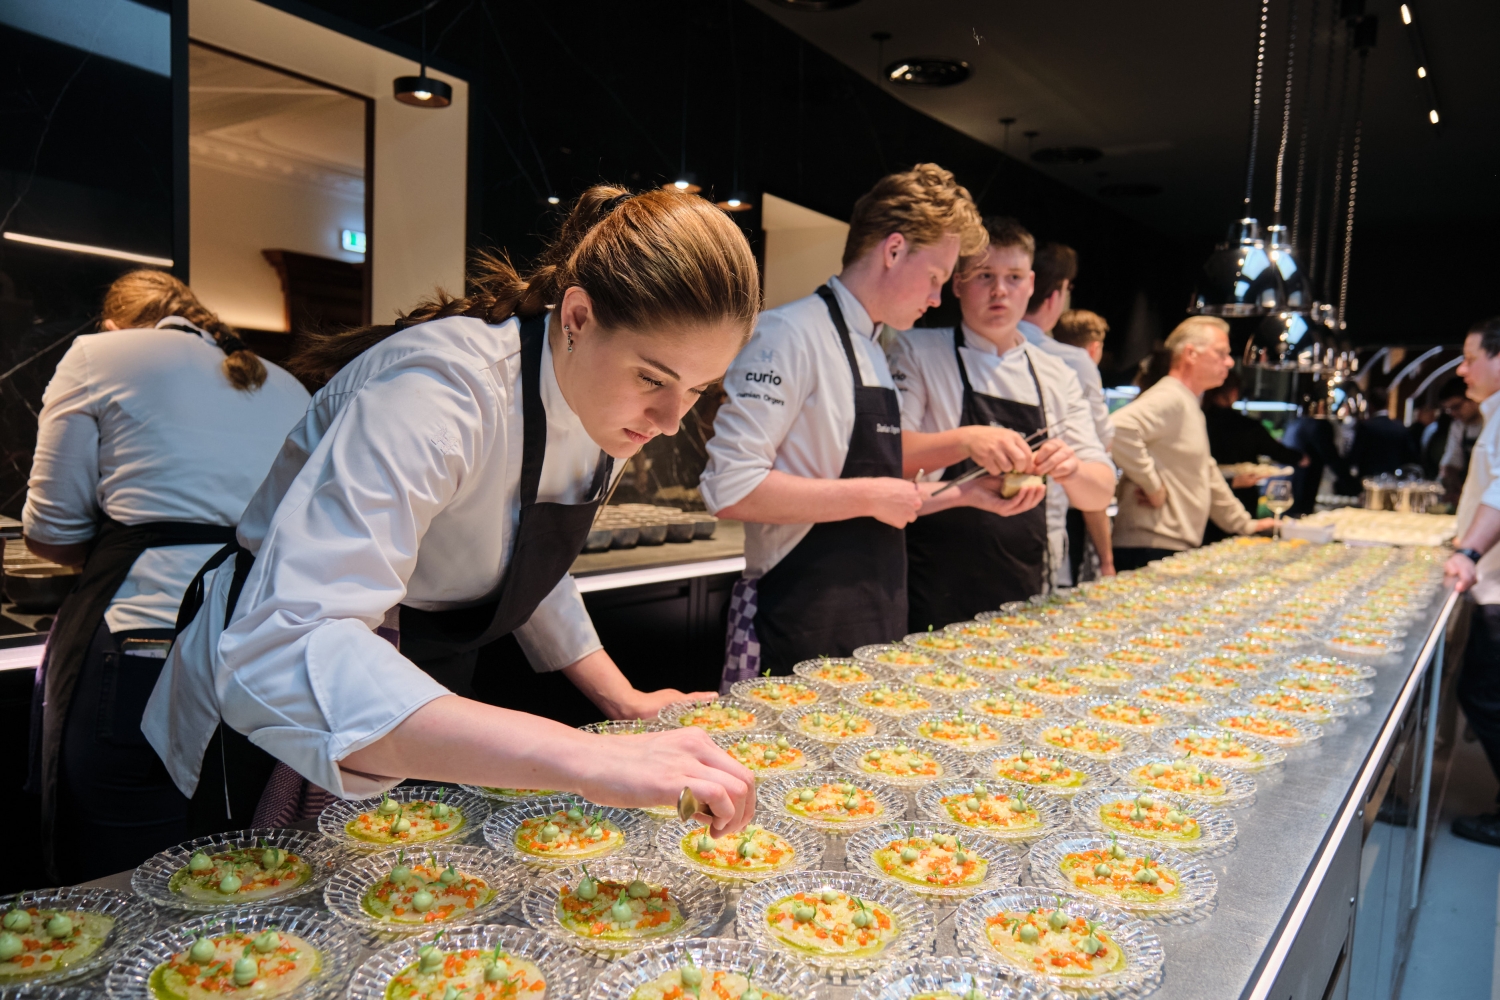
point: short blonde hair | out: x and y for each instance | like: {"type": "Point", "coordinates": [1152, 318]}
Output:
{"type": "Point", "coordinates": [1079, 328]}
{"type": "Point", "coordinates": [1195, 330]}
{"type": "Point", "coordinates": [924, 204]}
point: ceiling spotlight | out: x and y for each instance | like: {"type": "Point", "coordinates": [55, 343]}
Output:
{"type": "Point", "coordinates": [423, 92]}
{"type": "Point", "coordinates": [553, 199]}
{"type": "Point", "coordinates": [1405, 14]}
{"type": "Point", "coordinates": [1421, 72]}
{"type": "Point", "coordinates": [737, 202]}
{"type": "Point", "coordinates": [927, 72]}
{"type": "Point", "coordinates": [1432, 116]}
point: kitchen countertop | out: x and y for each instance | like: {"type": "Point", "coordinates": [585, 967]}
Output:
{"type": "Point", "coordinates": [728, 543]}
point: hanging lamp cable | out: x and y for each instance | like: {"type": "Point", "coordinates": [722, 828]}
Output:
{"type": "Point", "coordinates": [1286, 106]}
{"type": "Point", "coordinates": [1312, 50]}
{"type": "Point", "coordinates": [1336, 194]}
{"type": "Point", "coordinates": [1353, 186]}
{"type": "Point", "coordinates": [1260, 72]}
{"type": "Point", "coordinates": [1326, 124]}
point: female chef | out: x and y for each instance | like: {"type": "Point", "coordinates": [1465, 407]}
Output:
{"type": "Point", "coordinates": [153, 436]}
{"type": "Point", "coordinates": [982, 381]}
{"type": "Point", "coordinates": [439, 489]}
{"type": "Point", "coordinates": [808, 449]}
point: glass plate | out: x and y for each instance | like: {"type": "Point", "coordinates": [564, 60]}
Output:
{"type": "Point", "coordinates": [855, 692]}
{"type": "Point", "coordinates": [1167, 718]}
{"type": "Point", "coordinates": [951, 974]}
{"type": "Point", "coordinates": [951, 763]}
{"type": "Point", "coordinates": [1142, 948]}
{"type": "Point", "coordinates": [476, 809]}
{"type": "Point", "coordinates": [1216, 827]}
{"type": "Point", "coordinates": [1005, 733]}
{"type": "Point", "coordinates": [500, 829]}
{"type": "Point", "coordinates": [1202, 700]}
{"type": "Point", "coordinates": [1197, 884]}
{"type": "Point", "coordinates": [912, 918]}
{"type": "Point", "coordinates": [941, 642]}
{"type": "Point", "coordinates": [881, 655]}
{"type": "Point", "coordinates": [1306, 732]}
{"type": "Point", "coordinates": [774, 973]}
{"type": "Point", "coordinates": [1346, 689]}
{"type": "Point", "coordinates": [1329, 666]}
{"type": "Point", "coordinates": [815, 756]}
{"type": "Point", "coordinates": [816, 671]}
{"type": "Point", "coordinates": [807, 849]}
{"type": "Point", "coordinates": [747, 691]}
{"type": "Point", "coordinates": [976, 706]}
{"type": "Point", "coordinates": [1130, 742]}
{"type": "Point", "coordinates": [1076, 689]}
{"type": "Point", "coordinates": [1270, 754]}
{"type": "Point", "coordinates": [1239, 789]}
{"type": "Point", "coordinates": [760, 718]}
{"type": "Point", "coordinates": [501, 797]}
{"type": "Point", "coordinates": [623, 727]}
{"type": "Point", "coordinates": [129, 979]}
{"type": "Point", "coordinates": [133, 919]}
{"type": "Point", "coordinates": [1094, 772]}
{"type": "Point", "coordinates": [345, 892]}
{"type": "Point", "coordinates": [152, 878]}
{"type": "Point", "coordinates": [772, 796]}
{"type": "Point", "coordinates": [791, 721]}
{"type": "Point", "coordinates": [982, 633]}
{"type": "Point", "coordinates": [1051, 810]}
{"type": "Point", "coordinates": [1392, 648]}
{"type": "Point", "coordinates": [1325, 710]}
{"type": "Point", "coordinates": [700, 899]}
{"type": "Point", "coordinates": [994, 664]}
{"type": "Point", "coordinates": [564, 970]}
{"type": "Point", "coordinates": [1004, 864]}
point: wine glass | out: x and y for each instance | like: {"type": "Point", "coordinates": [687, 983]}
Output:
{"type": "Point", "coordinates": [1279, 499]}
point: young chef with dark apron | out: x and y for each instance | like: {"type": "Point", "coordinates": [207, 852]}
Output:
{"type": "Point", "coordinates": [807, 449]}
{"type": "Point", "coordinates": [153, 436]}
{"type": "Point", "coordinates": [433, 499]}
{"type": "Point", "coordinates": [963, 392]}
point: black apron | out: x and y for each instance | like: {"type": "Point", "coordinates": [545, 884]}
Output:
{"type": "Point", "coordinates": [549, 536]}
{"type": "Point", "coordinates": [965, 560]}
{"type": "Point", "coordinates": [113, 551]}
{"type": "Point", "coordinates": [844, 584]}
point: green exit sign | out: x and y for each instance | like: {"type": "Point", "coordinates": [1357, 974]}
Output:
{"type": "Point", "coordinates": [353, 241]}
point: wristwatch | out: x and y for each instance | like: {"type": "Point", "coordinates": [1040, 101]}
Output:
{"type": "Point", "coordinates": [1474, 554]}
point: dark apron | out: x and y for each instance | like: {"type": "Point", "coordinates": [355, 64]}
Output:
{"type": "Point", "coordinates": [549, 536]}
{"type": "Point", "coordinates": [114, 550]}
{"type": "Point", "coordinates": [964, 560]}
{"type": "Point", "coordinates": [844, 584]}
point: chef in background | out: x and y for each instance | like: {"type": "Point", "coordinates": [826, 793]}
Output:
{"type": "Point", "coordinates": [982, 386]}
{"type": "Point", "coordinates": [152, 438]}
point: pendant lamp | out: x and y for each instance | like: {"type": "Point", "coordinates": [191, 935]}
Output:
{"type": "Point", "coordinates": [422, 91]}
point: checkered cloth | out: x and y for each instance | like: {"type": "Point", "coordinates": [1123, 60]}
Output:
{"type": "Point", "coordinates": [741, 647]}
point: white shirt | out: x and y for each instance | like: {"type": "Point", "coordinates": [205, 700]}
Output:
{"type": "Point", "coordinates": [932, 395]}
{"type": "Point", "coordinates": [140, 426]}
{"type": "Point", "coordinates": [401, 486]}
{"type": "Point", "coordinates": [1083, 366]}
{"type": "Point", "coordinates": [790, 408]}
{"type": "Point", "coordinates": [1482, 486]}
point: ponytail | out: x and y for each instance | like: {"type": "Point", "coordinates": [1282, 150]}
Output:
{"type": "Point", "coordinates": [661, 258]}
{"type": "Point", "coordinates": [145, 297]}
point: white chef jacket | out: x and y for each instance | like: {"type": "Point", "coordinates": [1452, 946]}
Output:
{"type": "Point", "coordinates": [401, 486]}
{"type": "Point", "coordinates": [932, 396]}
{"type": "Point", "coordinates": [1482, 486]}
{"type": "Point", "coordinates": [790, 408]}
{"type": "Point", "coordinates": [1083, 366]}
{"type": "Point", "coordinates": [140, 426]}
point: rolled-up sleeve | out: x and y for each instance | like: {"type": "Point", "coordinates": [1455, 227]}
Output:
{"type": "Point", "coordinates": [1490, 442]}
{"type": "Point", "coordinates": [62, 501]}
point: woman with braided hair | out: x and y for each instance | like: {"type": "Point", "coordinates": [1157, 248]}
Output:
{"type": "Point", "coordinates": [153, 435]}
{"type": "Point", "coordinates": [432, 501]}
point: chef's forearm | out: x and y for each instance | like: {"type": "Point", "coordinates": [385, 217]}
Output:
{"type": "Point", "coordinates": [782, 498]}
{"type": "Point", "coordinates": [599, 678]}
{"type": "Point", "coordinates": [1096, 522]}
{"type": "Point", "coordinates": [65, 555]}
{"type": "Point", "coordinates": [1092, 487]}
{"type": "Point", "coordinates": [929, 452]}
{"type": "Point", "coordinates": [1483, 532]}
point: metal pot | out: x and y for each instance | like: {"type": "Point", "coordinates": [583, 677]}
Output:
{"type": "Point", "coordinates": [39, 590]}
{"type": "Point", "coordinates": [599, 539]}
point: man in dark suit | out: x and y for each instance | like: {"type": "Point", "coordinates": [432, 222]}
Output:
{"type": "Point", "coordinates": [1381, 445]}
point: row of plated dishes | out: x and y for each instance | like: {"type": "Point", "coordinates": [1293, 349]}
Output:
{"type": "Point", "coordinates": [1106, 803]}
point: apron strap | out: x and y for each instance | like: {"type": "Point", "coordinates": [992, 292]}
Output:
{"type": "Point", "coordinates": [831, 301]}
{"type": "Point", "coordinates": [963, 372]}
{"type": "Point", "coordinates": [534, 417]}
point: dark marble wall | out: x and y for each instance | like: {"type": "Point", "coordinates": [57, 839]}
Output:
{"type": "Point", "coordinates": [666, 471]}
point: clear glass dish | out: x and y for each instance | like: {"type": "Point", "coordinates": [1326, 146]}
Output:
{"type": "Point", "coordinates": [565, 970]}
{"type": "Point", "coordinates": [130, 977]}
{"type": "Point", "coordinates": [1216, 829]}
{"type": "Point", "coordinates": [1363, 646]}
{"type": "Point", "coordinates": [501, 828]}
{"type": "Point", "coordinates": [1002, 864]}
{"type": "Point", "coordinates": [1237, 788]}
{"type": "Point", "coordinates": [623, 727]}
{"type": "Point", "coordinates": [1052, 686]}
{"type": "Point", "coordinates": [777, 694]}
{"type": "Point", "coordinates": [961, 730]}
{"type": "Point", "coordinates": [806, 845]}
{"type": "Point", "coordinates": [1078, 772]}
{"type": "Point", "coordinates": [1014, 619]}
{"type": "Point", "coordinates": [774, 799]}
{"type": "Point", "coordinates": [1319, 686]}
{"type": "Point", "coordinates": [834, 672]}
{"type": "Point", "coordinates": [948, 682]}
{"type": "Point", "coordinates": [1218, 683]}
{"type": "Point", "coordinates": [1186, 700]}
{"type": "Point", "coordinates": [1119, 711]}
{"type": "Point", "coordinates": [1101, 675]}
{"type": "Point", "coordinates": [793, 752]}
{"type": "Point", "coordinates": [699, 899]}
{"type": "Point", "coordinates": [894, 658]}
{"type": "Point", "coordinates": [911, 919]}
{"type": "Point", "coordinates": [473, 809]}
{"type": "Point", "coordinates": [996, 665]}
{"type": "Point", "coordinates": [983, 633]}
{"type": "Point", "coordinates": [1243, 753]}
{"type": "Point", "coordinates": [153, 878]}
{"type": "Point", "coordinates": [1007, 708]}
{"type": "Point", "coordinates": [1095, 741]}
{"type": "Point", "coordinates": [1289, 705]}
{"type": "Point", "coordinates": [932, 762]}
{"type": "Point", "coordinates": [1138, 943]}
{"type": "Point", "coordinates": [1328, 666]}
{"type": "Point", "coordinates": [772, 973]}
{"type": "Point", "coordinates": [894, 700]}
{"type": "Point", "coordinates": [950, 974]}
{"type": "Point", "coordinates": [721, 716]}
{"type": "Point", "coordinates": [942, 642]}
{"type": "Point", "coordinates": [1197, 885]}
{"type": "Point", "coordinates": [1043, 654]}
{"type": "Point", "coordinates": [346, 892]}
{"type": "Point", "coordinates": [1269, 726]}
{"type": "Point", "coordinates": [828, 724]}
{"type": "Point", "coordinates": [501, 797]}
{"type": "Point", "coordinates": [132, 919]}
{"type": "Point", "coordinates": [1051, 812]}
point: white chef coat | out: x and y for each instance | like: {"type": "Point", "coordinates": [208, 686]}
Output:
{"type": "Point", "coordinates": [790, 408]}
{"type": "Point", "coordinates": [401, 486]}
{"type": "Point", "coordinates": [1482, 486]}
{"type": "Point", "coordinates": [1083, 366]}
{"type": "Point", "coordinates": [932, 396]}
{"type": "Point", "coordinates": [140, 426]}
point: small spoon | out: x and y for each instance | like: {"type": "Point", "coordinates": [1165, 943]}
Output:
{"type": "Point", "coordinates": [688, 806]}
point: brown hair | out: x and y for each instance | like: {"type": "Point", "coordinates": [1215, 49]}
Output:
{"type": "Point", "coordinates": [1079, 328]}
{"type": "Point", "coordinates": [924, 204]}
{"type": "Point", "coordinates": [660, 258]}
{"type": "Point", "coordinates": [145, 297]}
{"type": "Point", "coordinates": [1053, 264]}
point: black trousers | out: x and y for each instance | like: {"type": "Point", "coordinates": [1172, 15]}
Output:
{"type": "Point", "coordinates": [1479, 684]}
{"type": "Point", "coordinates": [1130, 557]}
{"type": "Point", "coordinates": [116, 805]}
{"type": "Point", "coordinates": [1077, 534]}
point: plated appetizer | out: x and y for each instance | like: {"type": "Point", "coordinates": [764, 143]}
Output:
{"type": "Point", "coordinates": [1183, 777]}
{"type": "Point", "coordinates": [1130, 874]}
{"type": "Point", "coordinates": [893, 699]}
{"type": "Point", "coordinates": [837, 920]}
{"type": "Point", "coordinates": [1358, 643]}
{"type": "Point", "coordinates": [554, 833]}
{"type": "Point", "coordinates": [1050, 942]}
{"type": "Point", "coordinates": [1181, 697]}
{"type": "Point", "coordinates": [897, 657]}
{"type": "Point", "coordinates": [1158, 642]}
{"type": "Point", "coordinates": [1083, 638]}
{"type": "Point", "coordinates": [1140, 659]}
{"type": "Point", "coordinates": [1004, 706]}
{"type": "Point", "coordinates": [510, 794]}
{"type": "Point", "coordinates": [900, 761]}
{"type": "Point", "coordinates": [616, 910]}
{"type": "Point", "coordinates": [995, 812]}
{"type": "Point", "coordinates": [1243, 753]}
{"type": "Point", "coordinates": [690, 980]}
{"type": "Point", "coordinates": [984, 662]}
{"type": "Point", "coordinates": [1043, 652]}
{"type": "Point", "coordinates": [1322, 686]}
{"type": "Point", "coordinates": [1039, 770]}
{"type": "Point", "coordinates": [474, 972]}
{"type": "Point", "coordinates": [831, 923]}
{"type": "Point", "coordinates": [1134, 715]}
{"type": "Point", "coordinates": [1100, 743]}
{"type": "Point", "coordinates": [1229, 663]}
{"type": "Point", "coordinates": [412, 815]}
{"type": "Point", "coordinates": [1329, 666]}
{"type": "Point", "coordinates": [419, 893]}
{"type": "Point", "coordinates": [1148, 817]}
{"type": "Point", "coordinates": [837, 803]}
{"type": "Point", "coordinates": [833, 672]}
{"type": "Point", "coordinates": [958, 730]}
{"type": "Point", "coordinates": [1250, 647]}
{"type": "Point", "coordinates": [981, 632]}
{"type": "Point", "coordinates": [1267, 726]}
{"type": "Point", "coordinates": [241, 874]}
{"type": "Point", "coordinates": [831, 726]}
{"type": "Point", "coordinates": [755, 850]}
{"type": "Point", "coordinates": [1205, 678]}
{"type": "Point", "coordinates": [947, 681]}
{"type": "Point", "coordinates": [1053, 686]}
{"type": "Point", "coordinates": [940, 642]}
{"type": "Point", "coordinates": [937, 861]}
{"type": "Point", "coordinates": [766, 753]}
{"type": "Point", "coordinates": [715, 716]}
{"type": "Point", "coordinates": [1098, 673]}
{"type": "Point", "coordinates": [1293, 705]}
{"type": "Point", "coordinates": [240, 868]}
{"type": "Point", "coordinates": [1156, 818]}
{"type": "Point", "coordinates": [39, 941]}
{"type": "Point", "coordinates": [1013, 620]}
{"type": "Point", "coordinates": [1120, 876]}
{"type": "Point", "coordinates": [776, 693]}
{"type": "Point", "coordinates": [270, 963]}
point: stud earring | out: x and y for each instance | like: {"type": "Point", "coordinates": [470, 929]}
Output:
{"type": "Point", "coordinates": [570, 338]}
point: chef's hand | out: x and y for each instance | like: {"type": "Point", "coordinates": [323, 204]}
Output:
{"type": "Point", "coordinates": [602, 682]}
{"type": "Point", "coordinates": [1054, 458]}
{"type": "Point", "coordinates": [1151, 499]}
{"type": "Point", "coordinates": [1461, 570]}
{"type": "Point", "coordinates": [651, 769]}
{"type": "Point", "coordinates": [893, 501]}
{"type": "Point", "coordinates": [1264, 524]}
{"type": "Point", "coordinates": [998, 449]}
{"type": "Point", "coordinates": [984, 493]}
{"type": "Point", "coordinates": [636, 704]}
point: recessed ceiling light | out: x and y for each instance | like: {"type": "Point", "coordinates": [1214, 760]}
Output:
{"type": "Point", "coordinates": [1067, 154]}
{"type": "Point", "coordinates": [1130, 190]}
{"type": "Point", "coordinates": [927, 72]}
{"type": "Point", "coordinates": [1421, 72]}
{"type": "Point", "coordinates": [814, 6]}
{"type": "Point", "coordinates": [1432, 116]}
{"type": "Point", "coordinates": [1405, 14]}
